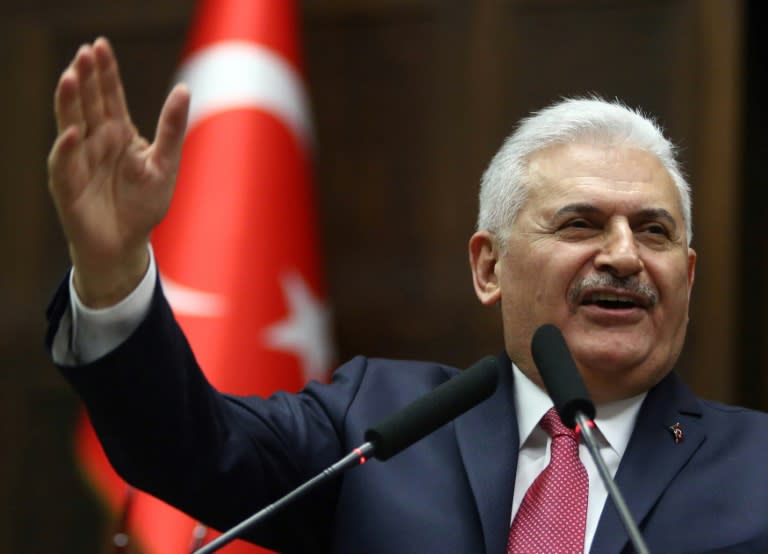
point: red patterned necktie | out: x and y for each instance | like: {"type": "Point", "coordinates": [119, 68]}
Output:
{"type": "Point", "coordinates": [553, 514]}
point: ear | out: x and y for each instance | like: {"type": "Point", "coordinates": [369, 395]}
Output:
{"type": "Point", "coordinates": [483, 258]}
{"type": "Point", "coordinates": [691, 269]}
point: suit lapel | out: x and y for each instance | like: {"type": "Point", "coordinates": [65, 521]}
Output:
{"type": "Point", "coordinates": [488, 442]}
{"type": "Point", "coordinates": [652, 459]}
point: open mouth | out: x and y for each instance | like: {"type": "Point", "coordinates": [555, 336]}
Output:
{"type": "Point", "coordinates": [612, 301]}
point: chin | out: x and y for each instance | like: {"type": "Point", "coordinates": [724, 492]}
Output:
{"type": "Point", "coordinates": [610, 358]}
{"type": "Point", "coordinates": [614, 375]}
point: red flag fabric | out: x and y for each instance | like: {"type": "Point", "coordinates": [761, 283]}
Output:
{"type": "Point", "coordinates": [238, 252]}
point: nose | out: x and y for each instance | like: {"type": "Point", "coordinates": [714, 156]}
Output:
{"type": "Point", "coordinates": [619, 254]}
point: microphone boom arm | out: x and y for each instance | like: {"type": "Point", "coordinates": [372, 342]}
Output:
{"type": "Point", "coordinates": [585, 427]}
{"type": "Point", "coordinates": [356, 457]}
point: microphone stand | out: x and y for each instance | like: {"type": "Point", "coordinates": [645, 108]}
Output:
{"type": "Point", "coordinates": [355, 458]}
{"type": "Point", "coordinates": [585, 427]}
{"type": "Point", "coordinates": [400, 430]}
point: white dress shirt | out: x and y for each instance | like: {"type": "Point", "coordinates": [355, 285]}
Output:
{"type": "Point", "coordinates": [85, 335]}
{"type": "Point", "coordinates": [614, 422]}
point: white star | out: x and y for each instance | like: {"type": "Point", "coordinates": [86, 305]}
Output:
{"type": "Point", "coordinates": [306, 331]}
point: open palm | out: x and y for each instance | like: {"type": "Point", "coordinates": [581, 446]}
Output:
{"type": "Point", "coordinates": [110, 186]}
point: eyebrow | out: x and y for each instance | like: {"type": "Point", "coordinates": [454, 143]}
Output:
{"type": "Point", "coordinates": [585, 208]}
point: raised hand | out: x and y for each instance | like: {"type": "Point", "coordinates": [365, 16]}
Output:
{"type": "Point", "coordinates": [111, 187]}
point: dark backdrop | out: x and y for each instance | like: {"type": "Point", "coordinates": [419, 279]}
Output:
{"type": "Point", "coordinates": [411, 98]}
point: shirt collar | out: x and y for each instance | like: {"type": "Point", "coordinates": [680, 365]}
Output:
{"type": "Point", "coordinates": [614, 420]}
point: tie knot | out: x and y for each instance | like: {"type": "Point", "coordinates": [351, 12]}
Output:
{"type": "Point", "coordinates": [554, 427]}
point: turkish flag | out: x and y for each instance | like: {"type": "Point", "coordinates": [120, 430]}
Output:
{"type": "Point", "coordinates": [238, 252]}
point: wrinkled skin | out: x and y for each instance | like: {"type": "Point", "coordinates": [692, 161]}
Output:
{"type": "Point", "coordinates": [599, 249]}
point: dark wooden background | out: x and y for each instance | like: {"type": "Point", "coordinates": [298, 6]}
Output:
{"type": "Point", "coordinates": [411, 98]}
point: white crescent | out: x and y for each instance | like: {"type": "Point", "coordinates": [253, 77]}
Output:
{"type": "Point", "coordinates": [229, 75]}
{"type": "Point", "coordinates": [237, 74]}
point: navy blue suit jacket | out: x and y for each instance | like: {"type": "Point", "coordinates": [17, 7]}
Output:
{"type": "Point", "coordinates": [221, 458]}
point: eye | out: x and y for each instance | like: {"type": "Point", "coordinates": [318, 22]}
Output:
{"type": "Point", "coordinates": [655, 229]}
{"type": "Point", "coordinates": [578, 228]}
{"type": "Point", "coordinates": [577, 224]}
{"type": "Point", "coordinates": [654, 234]}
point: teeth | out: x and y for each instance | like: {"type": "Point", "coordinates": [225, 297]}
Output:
{"type": "Point", "coordinates": [608, 297]}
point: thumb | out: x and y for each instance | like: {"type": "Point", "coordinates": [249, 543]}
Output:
{"type": "Point", "coordinates": [171, 127]}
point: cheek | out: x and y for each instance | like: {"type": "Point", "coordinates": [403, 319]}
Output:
{"type": "Point", "coordinates": [672, 283]}
{"type": "Point", "coordinates": [543, 280]}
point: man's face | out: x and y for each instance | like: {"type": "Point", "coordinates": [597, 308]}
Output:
{"type": "Point", "coordinates": [599, 249]}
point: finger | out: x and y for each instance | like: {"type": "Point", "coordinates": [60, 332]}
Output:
{"type": "Point", "coordinates": [90, 89]}
{"type": "Point", "coordinates": [61, 161]}
{"type": "Point", "coordinates": [171, 126]}
{"type": "Point", "coordinates": [66, 102]}
{"type": "Point", "coordinates": [112, 91]}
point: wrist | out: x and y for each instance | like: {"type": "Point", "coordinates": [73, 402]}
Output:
{"type": "Point", "coordinates": [106, 283]}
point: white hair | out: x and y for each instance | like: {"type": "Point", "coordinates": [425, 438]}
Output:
{"type": "Point", "coordinates": [502, 188]}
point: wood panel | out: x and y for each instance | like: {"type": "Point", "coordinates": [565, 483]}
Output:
{"type": "Point", "coordinates": [716, 172]}
{"type": "Point", "coordinates": [39, 482]}
{"type": "Point", "coordinates": [46, 506]}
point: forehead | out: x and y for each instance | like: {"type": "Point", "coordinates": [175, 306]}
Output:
{"type": "Point", "coordinates": [623, 176]}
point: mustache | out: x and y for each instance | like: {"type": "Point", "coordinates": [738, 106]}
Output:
{"type": "Point", "coordinates": [630, 284]}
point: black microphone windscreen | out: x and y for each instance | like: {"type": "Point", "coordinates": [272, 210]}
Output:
{"type": "Point", "coordinates": [560, 375]}
{"type": "Point", "coordinates": [435, 409]}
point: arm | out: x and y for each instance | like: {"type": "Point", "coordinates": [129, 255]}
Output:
{"type": "Point", "coordinates": [165, 429]}
{"type": "Point", "coordinates": [217, 457]}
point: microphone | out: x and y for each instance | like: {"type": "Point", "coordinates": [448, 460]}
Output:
{"type": "Point", "coordinates": [428, 413]}
{"type": "Point", "coordinates": [561, 378]}
{"type": "Point", "coordinates": [576, 410]}
{"type": "Point", "coordinates": [399, 431]}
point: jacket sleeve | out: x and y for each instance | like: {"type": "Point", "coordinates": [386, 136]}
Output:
{"type": "Point", "coordinates": [218, 457]}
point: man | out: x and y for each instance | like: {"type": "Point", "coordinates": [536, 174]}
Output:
{"type": "Point", "coordinates": [585, 222]}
